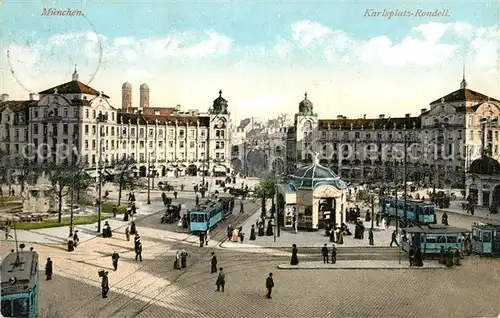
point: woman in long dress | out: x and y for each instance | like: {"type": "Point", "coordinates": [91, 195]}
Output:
{"type": "Point", "coordinates": [295, 258]}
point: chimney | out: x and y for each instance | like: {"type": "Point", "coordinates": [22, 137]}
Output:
{"type": "Point", "coordinates": [381, 116]}
{"type": "Point", "coordinates": [344, 117]}
{"type": "Point", "coordinates": [33, 96]}
{"type": "Point", "coordinates": [423, 110]}
{"type": "Point", "coordinates": [364, 116]}
{"type": "Point", "coordinates": [407, 115]}
{"type": "Point", "coordinates": [4, 97]}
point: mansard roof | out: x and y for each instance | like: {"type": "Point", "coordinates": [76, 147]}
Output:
{"type": "Point", "coordinates": [73, 87]}
{"type": "Point", "coordinates": [17, 106]}
{"type": "Point", "coordinates": [142, 119]}
{"type": "Point", "coordinates": [377, 123]}
{"type": "Point", "coordinates": [463, 95]}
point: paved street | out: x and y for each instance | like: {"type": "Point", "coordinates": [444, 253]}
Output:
{"type": "Point", "coordinates": [153, 289]}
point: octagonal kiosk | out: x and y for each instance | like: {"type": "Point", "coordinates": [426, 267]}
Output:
{"type": "Point", "coordinates": [315, 196]}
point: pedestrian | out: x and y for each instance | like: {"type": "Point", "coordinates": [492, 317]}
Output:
{"type": "Point", "coordinates": [394, 238]}
{"type": "Point", "coordinates": [175, 195]}
{"type": "Point", "coordinates": [71, 246]}
{"type": "Point", "coordinates": [221, 280]}
{"type": "Point", "coordinates": [48, 269]}
{"type": "Point", "coordinates": [197, 200]}
{"type": "Point", "coordinates": [242, 210]}
{"type": "Point", "coordinates": [105, 284]}
{"type": "Point", "coordinates": [442, 255]}
{"type": "Point", "coordinates": [115, 258]}
{"type": "Point", "coordinates": [127, 233]}
{"type": "Point", "coordinates": [377, 218]}
{"type": "Point", "coordinates": [133, 229]}
{"type": "Point", "coordinates": [76, 239]}
{"type": "Point", "coordinates": [411, 254]}
{"type": "Point", "coordinates": [184, 255]}
{"type": "Point", "coordinates": [334, 254]}
{"type": "Point", "coordinates": [295, 258]}
{"type": "Point", "coordinates": [138, 251]}
{"type": "Point", "coordinates": [252, 233]}
{"type": "Point", "coordinates": [115, 210]}
{"type": "Point", "coordinates": [370, 237]}
{"type": "Point", "coordinates": [269, 285]}
{"type": "Point", "coordinates": [7, 232]}
{"type": "Point", "coordinates": [202, 239]}
{"type": "Point", "coordinates": [177, 261]}
{"type": "Point", "coordinates": [324, 251]}
{"type": "Point", "coordinates": [213, 261]}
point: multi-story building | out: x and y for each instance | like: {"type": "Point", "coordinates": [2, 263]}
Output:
{"type": "Point", "coordinates": [440, 142]}
{"type": "Point", "coordinates": [73, 117]}
{"type": "Point", "coordinates": [261, 149]}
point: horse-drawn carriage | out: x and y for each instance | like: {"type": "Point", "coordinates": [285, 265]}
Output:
{"type": "Point", "coordinates": [172, 214]}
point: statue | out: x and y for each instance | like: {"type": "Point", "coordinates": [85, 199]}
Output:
{"type": "Point", "coordinates": [316, 158]}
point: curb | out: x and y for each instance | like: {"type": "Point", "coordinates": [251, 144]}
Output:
{"type": "Point", "coordinates": [288, 267]}
{"type": "Point", "coordinates": [485, 218]}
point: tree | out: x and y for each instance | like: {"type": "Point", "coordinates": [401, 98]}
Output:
{"type": "Point", "coordinates": [266, 190]}
{"type": "Point", "coordinates": [6, 172]}
{"type": "Point", "coordinates": [126, 179]}
{"type": "Point", "coordinates": [28, 172]}
{"type": "Point", "coordinates": [61, 176]}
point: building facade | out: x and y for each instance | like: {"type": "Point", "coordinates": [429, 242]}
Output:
{"type": "Point", "coordinates": [75, 118]}
{"type": "Point", "coordinates": [258, 149]}
{"type": "Point", "coordinates": [438, 145]}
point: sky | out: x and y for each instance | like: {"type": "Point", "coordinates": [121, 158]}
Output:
{"type": "Point", "coordinates": [263, 55]}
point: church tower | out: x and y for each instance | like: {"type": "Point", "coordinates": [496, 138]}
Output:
{"type": "Point", "coordinates": [126, 96]}
{"type": "Point", "coordinates": [144, 96]}
{"type": "Point", "coordinates": [306, 127]}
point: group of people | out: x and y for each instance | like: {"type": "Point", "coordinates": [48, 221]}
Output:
{"type": "Point", "coordinates": [73, 241]}
{"type": "Point", "coordinates": [449, 257]}
{"type": "Point", "coordinates": [325, 253]}
{"type": "Point", "coordinates": [180, 261]}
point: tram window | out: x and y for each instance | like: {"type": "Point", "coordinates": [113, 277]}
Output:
{"type": "Point", "coordinates": [487, 237]}
{"type": "Point", "coordinates": [194, 218]}
{"type": "Point", "coordinates": [442, 239]}
{"type": "Point", "coordinates": [6, 308]}
{"type": "Point", "coordinates": [431, 240]}
{"type": "Point", "coordinates": [474, 235]}
{"type": "Point", "coordinates": [451, 239]}
{"type": "Point", "coordinates": [21, 307]}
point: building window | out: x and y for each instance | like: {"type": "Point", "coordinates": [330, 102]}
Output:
{"type": "Point", "coordinates": [181, 133]}
{"type": "Point", "coordinates": [65, 128]}
{"type": "Point", "coordinates": [191, 144]}
{"type": "Point", "coordinates": [181, 144]}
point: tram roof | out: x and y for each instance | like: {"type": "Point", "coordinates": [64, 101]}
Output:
{"type": "Point", "coordinates": [23, 273]}
{"type": "Point", "coordinates": [205, 206]}
{"type": "Point", "coordinates": [436, 229]}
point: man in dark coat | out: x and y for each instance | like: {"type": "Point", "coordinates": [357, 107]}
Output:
{"type": "Point", "coordinates": [444, 218]}
{"type": "Point", "coordinates": [213, 261]}
{"type": "Point", "coordinates": [442, 255]}
{"type": "Point", "coordinates": [411, 254]}
{"type": "Point", "coordinates": [334, 254]}
{"type": "Point", "coordinates": [138, 251]}
{"type": "Point", "coordinates": [184, 255]}
{"type": "Point", "coordinates": [76, 239]}
{"type": "Point", "coordinates": [394, 238]}
{"type": "Point", "coordinates": [269, 285]}
{"type": "Point", "coordinates": [115, 258]}
{"type": "Point", "coordinates": [221, 280]}
{"type": "Point", "coordinates": [324, 251]}
{"type": "Point", "coordinates": [197, 200]}
{"type": "Point", "coordinates": [48, 269]}
{"type": "Point", "coordinates": [370, 237]}
{"type": "Point", "coordinates": [105, 285]}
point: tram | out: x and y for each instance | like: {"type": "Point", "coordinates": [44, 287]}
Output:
{"type": "Point", "coordinates": [207, 215]}
{"type": "Point", "coordinates": [431, 237]}
{"type": "Point", "coordinates": [416, 211]}
{"type": "Point", "coordinates": [486, 239]}
{"type": "Point", "coordinates": [20, 285]}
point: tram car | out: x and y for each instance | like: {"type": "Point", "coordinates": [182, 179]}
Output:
{"type": "Point", "coordinates": [486, 239]}
{"type": "Point", "coordinates": [431, 237]}
{"type": "Point", "coordinates": [417, 212]}
{"type": "Point", "coordinates": [19, 290]}
{"type": "Point", "coordinates": [207, 215]}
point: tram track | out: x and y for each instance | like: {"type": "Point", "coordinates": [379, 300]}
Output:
{"type": "Point", "coordinates": [221, 227]}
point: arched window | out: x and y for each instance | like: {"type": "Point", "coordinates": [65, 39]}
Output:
{"type": "Point", "coordinates": [307, 126]}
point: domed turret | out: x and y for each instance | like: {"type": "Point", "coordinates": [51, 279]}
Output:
{"type": "Point", "coordinates": [305, 106]}
{"type": "Point", "coordinates": [220, 104]}
{"type": "Point", "coordinates": [485, 165]}
{"type": "Point", "coordinates": [127, 85]}
{"type": "Point", "coordinates": [144, 87]}
{"type": "Point", "coordinates": [314, 175]}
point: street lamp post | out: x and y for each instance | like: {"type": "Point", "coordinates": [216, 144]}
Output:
{"type": "Point", "coordinates": [151, 173]}
{"type": "Point", "coordinates": [101, 118]}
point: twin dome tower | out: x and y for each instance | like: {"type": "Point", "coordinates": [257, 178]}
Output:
{"type": "Point", "coordinates": [127, 96]}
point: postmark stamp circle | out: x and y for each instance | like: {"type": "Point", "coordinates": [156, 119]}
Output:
{"type": "Point", "coordinates": [49, 54]}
